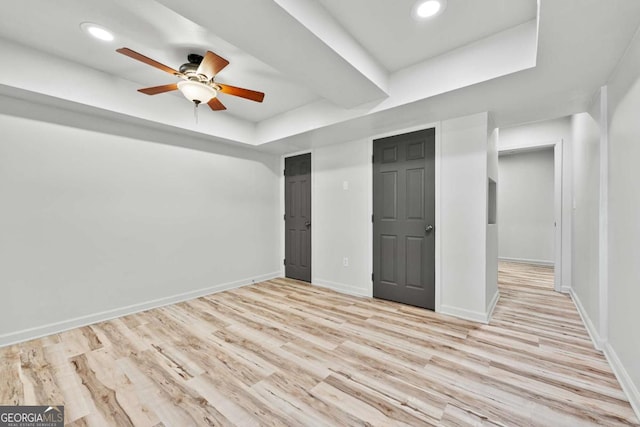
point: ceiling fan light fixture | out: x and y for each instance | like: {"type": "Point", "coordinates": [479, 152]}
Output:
{"type": "Point", "coordinates": [197, 92]}
{"type": "Point", "coordinates": [428, 9]}
{"type": "Point", "coordinates": [97, 31]}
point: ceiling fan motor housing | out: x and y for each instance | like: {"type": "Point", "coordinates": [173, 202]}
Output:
{"type": "Point", "coordinates": [190, 68]}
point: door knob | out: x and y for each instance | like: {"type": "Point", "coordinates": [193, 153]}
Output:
{"type": "Point", "coordinates": [428, 228]}
{"type": "Point", "coordinates": [307, 224]}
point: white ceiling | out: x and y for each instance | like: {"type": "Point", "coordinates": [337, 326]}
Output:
{"type": "Point", "coordinates": [384, 29]}
{"type": "Point", "coordinates": [155, 31]}
{"type": "Point", "coordinates": [331, 70]}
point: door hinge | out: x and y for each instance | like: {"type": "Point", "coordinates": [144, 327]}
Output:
{"type": "Point", "coordinates": [284, 217]}
{"type": "Point", "coordinates": [372, 277]}
{"type": "Point", "coordinates": [371, 217]}
{"type": "Point", "coordinates": [284, 261]}
{"type": "Point", "coordinates": [373, 158]}
{"type": "Point", "coordinates": [284, 172]}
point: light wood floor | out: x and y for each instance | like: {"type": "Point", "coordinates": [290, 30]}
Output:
{"type": "Point", "coordinates": [286, 353]}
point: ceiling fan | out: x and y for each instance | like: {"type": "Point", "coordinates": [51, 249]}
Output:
{"type": "Point", "coordinates": [197, 84]}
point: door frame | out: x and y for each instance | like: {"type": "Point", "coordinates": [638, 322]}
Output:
{"type": "Point", "coordinates": [558, 200]}
{"type": "Point", "coordinates": [283, 211]}
{"type": "Point", "coordinates": [438, 257]}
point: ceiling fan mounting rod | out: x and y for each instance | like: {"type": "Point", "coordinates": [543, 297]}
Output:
{"type": "Point", "coordinates": [194, 58]}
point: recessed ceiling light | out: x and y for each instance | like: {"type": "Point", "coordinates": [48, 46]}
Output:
{"type": "Point", "coordinates": [97, 31]}
{"type": "Point", "coordinates": [430, 8]}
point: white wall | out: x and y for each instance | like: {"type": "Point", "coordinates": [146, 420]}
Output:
{"type": "Point", "coordinates": [95, 225]}
{"type": "Point", "coordinates": [537, 132]}
{"type": "Point", "coordinates": [623, 349]}
{"type": "Point", "coordinates": [526, 207]}
{"type": "Point", "coordinates": [492, 293]}
{"type": "Point", "coordinates": [586, 184]}
{"type": "Point", "coordinates": [550, 131]}
{"type": "Point", "coordinates": [606, 227]}
{"type": "Point", "coordinates": [342, 218]}
{"type": "Point", "coordinates": [463, 216]}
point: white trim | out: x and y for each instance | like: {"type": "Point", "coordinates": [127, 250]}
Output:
{"type": "Point", "coordinates": [474, 316]}
{"type": "Point", "coordinates": [492, 305]}
{"type": "Point", "coordinates": [628, 386]}
{"type": "Point", "coordinates": [65, 325]}
{"type": "Point", "coordinates": [603, 234]}
{"type": "Point", "coordinates": [438, 254]}
{"type": "Point", "coordinates": [524, 147]}
{"type": "Point", "coordinates": [437, 262]}
{"type": "Point", "coordinates": [344, 288]}
{"type": "Point", "coordinates": [565, 290]}
{"type": "Point", "coordinates": [558, 195]}
{"type": "Point", "coordinates": [410, 129]}
{"type": "Point", "coordinates": [370, 203]}
{"type": "Point", "coordinates": [558, 170]}
{"type": "Point", "coordinates": [630, 389]}
{"type": "Point", "coordinates": [527, 261]}
{"type": "Point", "coordinates": [591, 329]}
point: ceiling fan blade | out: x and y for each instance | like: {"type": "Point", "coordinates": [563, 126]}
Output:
{"type": "Point", "coordinates": [138, 56]}
{"type": "Point", "coordinates": [216, 105]}
{"type": "Point", "coordinates": [159, 89]}
{"type": "Point", "coordinates": [242, 93]}
{"type": "Point", "coordinates": [211, 65]}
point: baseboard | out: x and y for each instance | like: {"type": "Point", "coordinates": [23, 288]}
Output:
{"type": "Point", "coordinates": [492, 305]}
{"type": "Point", "coordinates": [565, 289]}
{"type": "Point", "coordinates": [591, 329]}
{"type": "Point", "coordinates": [474, 316]}
{"type": "Point", "coordinates": [528, 261]}
{"type": "Point", "coordinates": [357, 291]}
{"type": "Point", "coordinates": [65, 325]}
{"type": "Point", "coordinates": [624, 379]}
{"type": "Point", "coordinates": [630, 389]}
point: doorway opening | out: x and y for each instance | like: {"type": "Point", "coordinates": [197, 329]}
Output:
{"type": "Point", "coordinates": [530, 208]}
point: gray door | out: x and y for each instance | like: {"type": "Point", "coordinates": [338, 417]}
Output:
{"type": "Point", "coordinates": [404, 218]}
{"type": "Point", "coordinates": [297, 218]}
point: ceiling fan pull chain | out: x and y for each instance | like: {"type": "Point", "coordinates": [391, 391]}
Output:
{"type": "Point", "coordinates": [195, 111]}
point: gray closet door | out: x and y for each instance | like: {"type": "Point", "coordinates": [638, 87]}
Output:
{"type": "Point", "coordinates": [404, 218]}
{"type": "Point", "coordinates": [297, 172]}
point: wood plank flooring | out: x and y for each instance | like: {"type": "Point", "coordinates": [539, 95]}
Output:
{"type": "Point", "coordinates": [287, 353]}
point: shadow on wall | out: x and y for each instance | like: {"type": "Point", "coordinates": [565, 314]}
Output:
{"type": "Point", "coordinates": [107, 122]}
